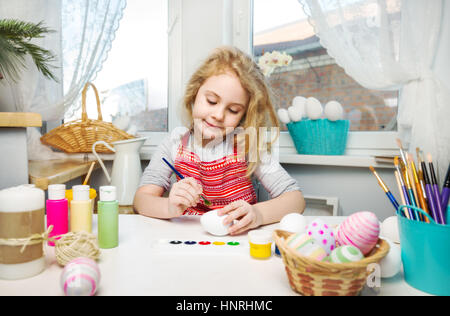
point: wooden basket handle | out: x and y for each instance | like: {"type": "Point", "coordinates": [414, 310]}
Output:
{"type": "Point", "coordinates": [84, 116]}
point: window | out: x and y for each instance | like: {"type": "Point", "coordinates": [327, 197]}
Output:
{"type": "Point", "coordinates": [313, 73]}
{"type": "Point", "coordinates": [133, 81]}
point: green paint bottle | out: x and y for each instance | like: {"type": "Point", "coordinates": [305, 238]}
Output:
{"type": "Point", "coordinates": [108, 218]}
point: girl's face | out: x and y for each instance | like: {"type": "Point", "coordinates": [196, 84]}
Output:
{"type": "Point", "coordinates": [219, 106]}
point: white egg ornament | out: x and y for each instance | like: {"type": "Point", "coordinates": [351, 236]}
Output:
{"type": "Point", "coordinates": [313, 108]}
{"type": "Point", "coordinates": [213, 223]}
{"type": "Point", "coordinates": [361, 230]}
{"type": "Point", "coordinates": [323, 234]}
{"type": "Point", "coordinates": [306, 246]}
{"type": "Point", "coordinates": [333, 111]}
{"type": "Point", "coordinates": [299, 102]}
{"type": "Point", "coordinates": [391, 264]}
{"type": "Point", "coordinates": [294, 223]}
{"type": "Point", "coordinates": [295, 113]}
{"type": "Point", "coordinates": [345, 254]}
{"type": "Point", "coordinates": [80, 277]}
{"type": "Point", "coordinates": [283, 115]}
{"type": "Point", "coordinates": [389, 229]}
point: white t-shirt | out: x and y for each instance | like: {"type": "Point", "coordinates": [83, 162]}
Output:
{"type": "Point", "coordinates": [269, 172]}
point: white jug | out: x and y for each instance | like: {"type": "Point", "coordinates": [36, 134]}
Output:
{"type": "Point", "coordinates": [126, 172]}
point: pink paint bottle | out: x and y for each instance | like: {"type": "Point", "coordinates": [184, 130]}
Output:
{"type": "Point", "coordinates": [57, 210]}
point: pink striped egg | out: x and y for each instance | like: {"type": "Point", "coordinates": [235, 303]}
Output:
{"type": "Point", "coordinates": [360, 230]}
{"type": "Point", "coordinates": [80, 277]}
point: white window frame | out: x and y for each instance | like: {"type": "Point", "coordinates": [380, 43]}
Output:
{"type": "Point", "coordinates": [238, 32]}
{"type": "Point", "coordinates": [175, 77]}
{"type": "Point", "coordinates": [363, 143]}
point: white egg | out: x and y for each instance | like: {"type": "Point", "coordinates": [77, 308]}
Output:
{"type": "Point", "coordinates": [283, 115]}
{"type": "Point", "coordinates": [389, 229]}
{"type": "Point", "coordinates": [313, 108]}
{"type": "Point", "coordinates": [392, 263]}
{"type": "Point", "coordinates": [294, 223]}
{"type": "Point", "coordinates": [213, 223]}
{"type": "Point", "coordinates": [299, 102]}
{"type": "Point", "coordinates": [333, 111]}
{"type": "Point", "coordinates": [295, 113]}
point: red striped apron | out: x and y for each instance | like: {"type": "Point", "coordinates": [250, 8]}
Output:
{"type": "Point", "coordinates": [223, 180]}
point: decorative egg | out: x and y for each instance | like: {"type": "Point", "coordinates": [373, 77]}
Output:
{"type": "Point", "coordinates": [306, 246]}
{"type": "Point", "coordinates": [80, 277]}
{"type": "Point", "coordinates": [213, 223]}
{"type": "Point", "coordinates": [333, 111]}
{"type": "Point", "coordinates": [299, 102]}
{"type": "Point", "coordinates": [283, 115]}
{"type": "Point", "coordinates": [391, 264]}
{"type": "Point", "coordinates": [294, 223]}
{"type": "Point", "coordinates": [360, 230]}
{"type": "Point", "coordinates": [313, 108]}
{"type": "Point", "coordinates": [323, 234]}
{"type": "Point", "coordinates": [389, 229]}
{"type": "Point", "coordinates": [295, 113]}
{"type": "Point", "coordinates": [345, 254]}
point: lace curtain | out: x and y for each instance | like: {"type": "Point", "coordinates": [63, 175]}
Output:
{"type": "Point", "coordinates": [391, 44]}
{"type": "Point", "coordinates": [85, 31]}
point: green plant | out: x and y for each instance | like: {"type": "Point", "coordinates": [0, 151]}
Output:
{"type": "Point", "coordinates": [15, 45]}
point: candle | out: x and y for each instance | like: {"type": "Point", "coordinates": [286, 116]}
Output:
{"type": "Point", "coordinates": [22, 214]}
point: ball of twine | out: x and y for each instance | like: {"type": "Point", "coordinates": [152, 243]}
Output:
{"type": "Point", "coordinates": [76, 244]}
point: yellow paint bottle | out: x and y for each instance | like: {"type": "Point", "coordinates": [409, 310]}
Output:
{"type": "Point", "coordinates": [260, 244]}
{"type": "Point", "coordinates": [81, 209]}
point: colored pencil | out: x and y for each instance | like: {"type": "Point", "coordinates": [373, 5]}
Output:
{"type": "Point", "coordinates": [437, 195]}
{"type": "Point", "coordinates": [385, 189]}
{"type": "Point", "coordinates": [182, 177]}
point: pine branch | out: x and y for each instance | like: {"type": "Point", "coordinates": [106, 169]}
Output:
{"type": "Point", "coordinates": [15, 44]}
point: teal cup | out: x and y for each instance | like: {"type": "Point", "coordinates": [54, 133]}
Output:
{"type": "Point", "coordinates": [425, 249]}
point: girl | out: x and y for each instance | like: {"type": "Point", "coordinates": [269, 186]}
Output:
{"type": "Point", "coordinates": [228, 105]}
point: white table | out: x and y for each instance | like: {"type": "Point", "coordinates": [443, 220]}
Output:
{"type": "Point", "coordinates": [144, 264]}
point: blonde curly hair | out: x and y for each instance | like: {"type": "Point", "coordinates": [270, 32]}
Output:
{"type": "Point", "coordinates": [260, 112]}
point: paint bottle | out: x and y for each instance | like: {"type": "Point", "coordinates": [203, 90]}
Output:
{"type": "Point", "coordinates": [81, 209]}
{"type": "Point", "coordinates": [260, 244]}
{"type": "Point", "coordinates": [57, 211]}
{"type": "Point", "coordinates": [108, 218]}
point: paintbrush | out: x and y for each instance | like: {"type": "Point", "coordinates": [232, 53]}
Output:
{"type": "Point", "coordinates": [402, 197]}
{"type": "Point", "coordinates": [385, 189]}
{"type": "Point", "coordinates": [89, 173]}
{"type": "Point", "coordinates": [437, 195]}
{"type": "Point", "coordinates": [405, 192]}
{"type": "Point", "coordinates": [418, 189]}
{"type": "Point", "coordinates": [207, 203]}
{"type": "Point", "coordinates": [429, 191]}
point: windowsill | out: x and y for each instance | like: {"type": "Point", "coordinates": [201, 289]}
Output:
{"type": "Point", "coordinates": [319, 160]}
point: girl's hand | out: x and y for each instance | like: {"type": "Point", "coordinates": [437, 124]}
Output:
{"type": "Point", "coordinates": [248, 216]}
{"type": "Point", "coordinates": [185, 193]}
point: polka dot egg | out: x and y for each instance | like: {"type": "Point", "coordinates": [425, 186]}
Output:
{"type": "Point", "coordinates": [345, 254]}
{"type": "Point", "coordinates": [306, 246]}
{"type": "Point", "coordinates": [80, 277]}
{"type": "Point", "coordinates": [323, 234]}
{"type": "Point", "coordinates": [360, 230]}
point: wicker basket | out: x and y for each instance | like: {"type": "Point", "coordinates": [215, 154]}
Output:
{"type": "Point", "coordinates": [78, 136]}
{"type": "Point", "coordinates": [312, 277]}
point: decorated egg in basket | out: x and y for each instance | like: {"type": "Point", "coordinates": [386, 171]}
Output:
{"type": "Point", "coordinates": [306, 246]}
{"type": "Point", "coordinates": [323, 234]}
{"type": "Point", "coordinates": [360, 230]}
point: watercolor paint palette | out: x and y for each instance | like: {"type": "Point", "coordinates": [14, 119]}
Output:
{"type": "Point", "coordinates": [204, 247]}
